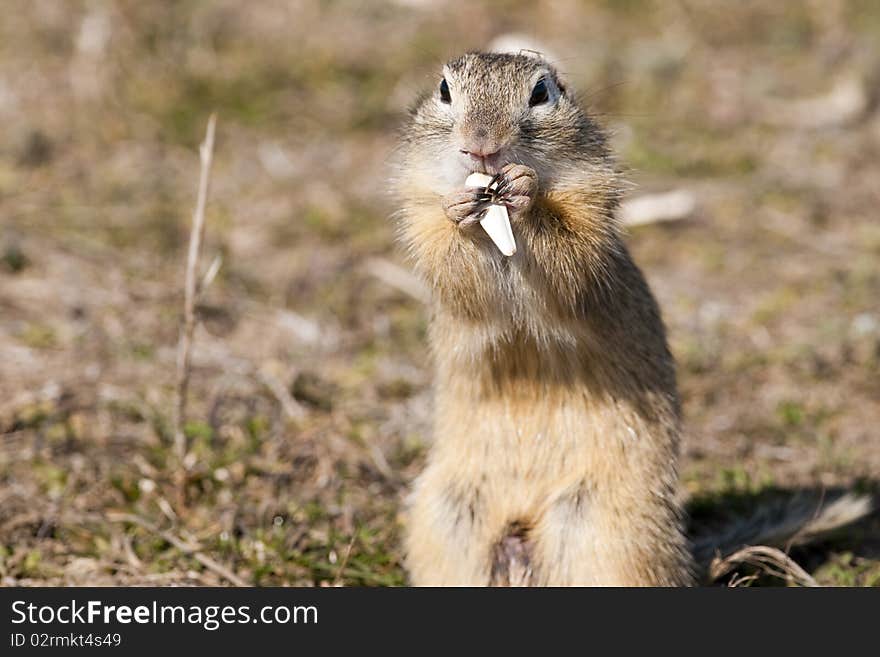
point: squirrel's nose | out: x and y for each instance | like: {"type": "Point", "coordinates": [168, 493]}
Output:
{"type": "Point", "coordinates": [483, 153]}
{"type": "Point", "coordinates": [484, 159]}
{"type": "Point", "coordinates": [480, 152]}
{"type": "Point", "coordinates": [480, 145]}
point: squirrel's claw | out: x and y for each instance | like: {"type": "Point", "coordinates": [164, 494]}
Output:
{"type": "Point", "coordinates": [465, 207]}
{"type": "Point", "coordinates": [518, 180]}
{"type": "Point", "coordinates": [518, 187]}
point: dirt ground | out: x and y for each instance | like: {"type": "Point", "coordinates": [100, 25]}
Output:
{"type": "Point", "coordinates": [310, 393]}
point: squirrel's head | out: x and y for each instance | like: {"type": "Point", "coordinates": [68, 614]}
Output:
{"type": "Point", "coordinates": [492, 109]}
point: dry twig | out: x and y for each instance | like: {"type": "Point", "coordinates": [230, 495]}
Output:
{"type": "Point", "coordinates": [398, 278]}
{"type": "Point", "coordinates": [769, 560]}
{"type": "Point", "coordinates": [337, 580]}
{"type": "Point", "coordinates": [180, 544]}
{"type": "Point", "coordinates": [292, 409]}
{"type": "Point", "coordinates": [206, 154]}
{"type": "Point", "coordinates": [657, 208]}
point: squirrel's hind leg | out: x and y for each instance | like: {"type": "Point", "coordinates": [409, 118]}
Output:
{"type": "Point", "coordinates": [588, 538]}
{"type": "Point", "coordinates": [448, 540]}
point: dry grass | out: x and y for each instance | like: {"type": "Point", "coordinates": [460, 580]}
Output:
{"type": "Point", "coordinates": [769, 561]}
{"type": "Point", "coordinates": [309, 387]}
{"type": "Point", "coordinates": [184, 347]}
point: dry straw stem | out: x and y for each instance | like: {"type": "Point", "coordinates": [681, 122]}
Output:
{"type": "Point", "coordinates": [180, 544]}
{"type": "Point", "coordinates": [184, 345]}
{"type": "Point", "coordinates": [397, 277]}
{"type": "Point", "coordinates": [291, 408]}
{"type": "Point", "coordinates": [337, 581]}
{"type": "Point", "coordinates": [657, 208]}
{"type": "Point", "coordinates": [769, 560]}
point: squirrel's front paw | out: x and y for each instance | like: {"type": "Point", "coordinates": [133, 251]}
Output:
{"type": "Point", "coordinates": [465, 206]}
{"type": "Point", "coordinates": [517, 187]}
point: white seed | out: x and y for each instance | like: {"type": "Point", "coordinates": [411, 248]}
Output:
{"type": "Point", "coordinates": [496, 221]}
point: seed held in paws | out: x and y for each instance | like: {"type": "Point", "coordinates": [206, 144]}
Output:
{"type": "Point", "coordinates": [495, 221]}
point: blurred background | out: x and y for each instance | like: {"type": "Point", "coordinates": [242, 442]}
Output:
{"type": "Point", "coordinates": [310, 390]}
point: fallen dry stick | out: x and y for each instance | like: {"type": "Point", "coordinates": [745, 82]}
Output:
{"type": "Point", "coordinates": [769, 560]}
{"type": "Point", "coordinates": [180, 544]}
{"type": "Point", "coordinates": [656, 208]}
{"type": "Point", "coordinates": [847, 101]}
{"type": "Point", "coordinates": [397, 277]}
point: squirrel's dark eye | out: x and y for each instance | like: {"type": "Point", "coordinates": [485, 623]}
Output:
{"type": "Point", "coordinates": [444, 92]}
{"type": "Point", "coordinates": [539, 93]}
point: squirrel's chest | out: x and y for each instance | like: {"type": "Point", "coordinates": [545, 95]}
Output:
{"type": "Point", "coordinates": [538, 440]}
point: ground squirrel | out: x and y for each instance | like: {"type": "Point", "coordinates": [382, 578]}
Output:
{"type": "Point", "coordinates": [556, 411]}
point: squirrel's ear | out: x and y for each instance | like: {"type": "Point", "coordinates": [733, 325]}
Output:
{"type": "Point", "coordinates": [560, 83]}
{"type": "Point", "coordinates": [519, 44]}
{"type": "Point", "coordinates": [525, 52]}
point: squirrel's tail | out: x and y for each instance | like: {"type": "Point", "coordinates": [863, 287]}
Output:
{"type": "Point", "coordinates": [795, 522]}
